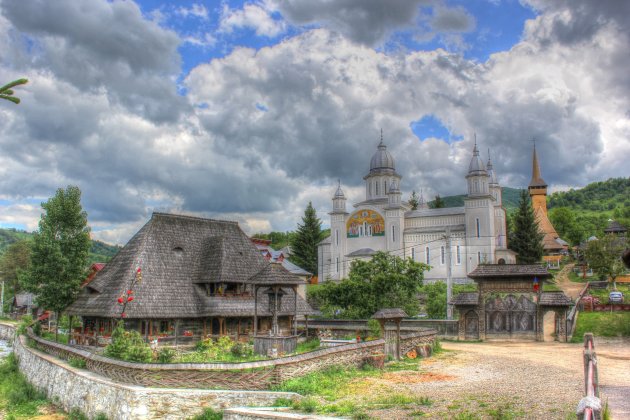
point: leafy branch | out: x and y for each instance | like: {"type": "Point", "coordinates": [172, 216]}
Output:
{"type": "Point", "coordinates": [6, 91]}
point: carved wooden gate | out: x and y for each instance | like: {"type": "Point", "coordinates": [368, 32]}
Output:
{"type": "Point", "coordinates": [510, 315]}
{"type": "Point", "coordinates": [471, 325]}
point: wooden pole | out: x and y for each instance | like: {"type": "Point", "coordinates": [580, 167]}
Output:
{"type": "Point", "coordinates": [295, 310]}
{"type": "Point", "coordinates": [255, 310]}
{"type": "Point", "coordinates": [306, 322]}
{"type": "Point", "coordinates": [205, 328]}
{"type": "Point", "coordinates": [398, 339]}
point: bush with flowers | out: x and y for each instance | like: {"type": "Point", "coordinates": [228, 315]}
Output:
{"type": "Point", "coordinates": [128, 345]}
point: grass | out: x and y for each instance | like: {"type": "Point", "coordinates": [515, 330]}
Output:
{"type": "Point", "coordinates": [77, 362]}
{"type": "Point", "coordinates": [209, 414]}
{"type": "Point", "coordinates": [309, 345]}
{"type": "Point", "coordinates": [18, 398]}
{"type": "Point", "coordinates": [603, 324]}
{"type": "Point", "coordinates": [50, 336]}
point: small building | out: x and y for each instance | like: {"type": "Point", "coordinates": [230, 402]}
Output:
{"type": "Point", "coordinates": [197, 281]}
{"type": "Point", "coordinates": [24, 304]}
{"type": "Point", "coordinates": [511, 305]}
{"type": "Point", "coordinates": [280, 256]}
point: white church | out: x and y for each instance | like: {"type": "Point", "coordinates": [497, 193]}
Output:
{"type": "Point", "coordinates": [464, 236]}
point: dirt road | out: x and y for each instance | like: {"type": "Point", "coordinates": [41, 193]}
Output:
{"type": "Point", "coordinates": [510, 380]}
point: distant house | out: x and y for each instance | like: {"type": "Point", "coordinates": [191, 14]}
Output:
{"type": "Point", "coordinates": [24, 304]}
{"type": "Point", "coordinates": [198, 278]}
{"type": "Point", "coordinates": [94, 268]}
{"type": "Point", "coordinates": [280, 256]}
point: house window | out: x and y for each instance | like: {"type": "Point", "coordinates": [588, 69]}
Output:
{"type": "Point", "coordinates": [427, 254]}
{"type": "Point", "coordinates": [442, 259]}
{"type": "Point", "coordinates": [478, 230]}
{"type": "Point", "coordinates": [458, 257]}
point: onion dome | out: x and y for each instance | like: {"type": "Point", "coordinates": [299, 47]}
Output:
{"type": "Point", "coordinates": [382, 159]}
{"type": "Point", "coordinates": [339, 193]}
{"type": "Point", "coordinates": [491, 173]}
{"type": "Point", "coordinates": [476, 166]}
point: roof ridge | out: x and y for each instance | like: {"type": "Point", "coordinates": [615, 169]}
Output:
{"type": "Point", "coordinates": [185, 216]}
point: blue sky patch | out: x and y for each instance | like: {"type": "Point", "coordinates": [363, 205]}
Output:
{"type": "Point", "coordinates": [430, 126]}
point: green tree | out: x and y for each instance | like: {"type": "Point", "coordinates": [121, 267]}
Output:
{"type": "Point", "coordinates": [525, 238]}
{"type": "Point", "coordinates": [15, 260]}
{"type": "Point", "coordinates": [604, 256]}
{"type": "Point", "coordinates": [304, 242]}
{"type": "Point", "coordinates": [438, 203]}
{"type": "Point", "coordinates": [6, 91]}
{"type": "Point", "coordinates": [563, 219]}
{"type": "Point", "coordinates": [60, 252]}
{"type": "Point", "coordinates": [385, 281]}
{"type": "Point", "coordinates": [436, 300]}
{"type": "Point", "coordinates": [414, 202]}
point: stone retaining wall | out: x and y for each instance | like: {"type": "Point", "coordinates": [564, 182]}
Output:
{"type": "Point", "coordinates": [412, 341]}
{"type": "Point", "coordinates": [258, 375]}
{"type": "Point", "coordinates": [73, 388]}
{"type": "Point", "coordinates": [7, 332]}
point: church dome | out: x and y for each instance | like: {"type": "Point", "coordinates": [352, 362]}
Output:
{"type": "Point", "coordinates": [491, 173]}
{"type": "Point", "coordinates": [382, 159]}
{"type": "Point", "coordinates": [476, 166]}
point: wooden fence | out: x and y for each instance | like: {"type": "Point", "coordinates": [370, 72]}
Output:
{"type": "Point", "coordinates": [590, 407]}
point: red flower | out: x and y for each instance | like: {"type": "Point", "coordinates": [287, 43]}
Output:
{"type": "Point", "coordinates": [124, 315]}
{"type": "Point", "coordinates": [130, 298]}
{"type": "Point", "coordinates": [120, 300]}
{"type": "Point", "coordinates": [129, 292]}
{"type": "Point", "coordinates": [139, 270]}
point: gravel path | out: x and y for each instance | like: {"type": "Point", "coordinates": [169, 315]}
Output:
{"type": "Point", "coordinates": [506, 380]}
{"type": "Point", "coordinates": [570, 288]}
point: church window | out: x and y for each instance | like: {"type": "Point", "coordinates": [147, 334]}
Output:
{"type": "Point", "coordinates": [413, 253]}
{"type": "Point", "coordinates": [370, 186]}
{"type": "Point", "coordinates": [478, 257]}
{"type": "Point", "coordinates": [369, 230]}
{"type": "Point", "coordinates": [337, 261]}
{"type": "Point", "coordinates": [385, 186]}
{"type": "Point", "coordinates": [393, 233]}
{"type": "Point", "coordinates": [337, 236]}
{"type": "Point", "coordinates": [361, 230]}
{"type": "Point", "coordinates": [376, 185]}
{"type": "Point", "coordinates": [458, 253]}
{"type": "Point", "coordinates": [476, 186]}
{"type": "Point", "coordinates": [478, 230]}
{"type": "Point", "coordinates": [442, 259]}
{"type": "Point", "coordinates": [427, 255]}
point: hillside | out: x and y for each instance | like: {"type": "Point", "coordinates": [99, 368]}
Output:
{"type": "Point", "coordinates": [99, 251]}
{"type": "Point", "coordinates": [510, 199]}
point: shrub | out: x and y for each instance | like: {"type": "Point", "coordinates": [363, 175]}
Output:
{"type": "Point", "coordinates": [37, 329]}
{"type": "Point", "coordinates": [128, 345]}
{"type": "Point", "coordinates": [242, 350]}
{"type": "Point", "coordinates": [375, 328]}
{"type": "Point", "coordinates": [25, 322]}
{"type": "Point", "coordinates": [77, 362]}
{"type": "Point", "coordinates": [166, 355]}
{"type": "Point", "coordinates": [209, 414]}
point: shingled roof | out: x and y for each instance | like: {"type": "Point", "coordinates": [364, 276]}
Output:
{"type": "Point", "coordinates": [554, 299]}
{"type": "Point", "coordinates": [177, 255]}
{"type": "Point", "coordinates": [486, 271]}
{"type": "Point", "coordinates": [275, 274]}
{"type": "Point", "coordinates": [466, 298]}
{"type": "Point", "coordinates": [390, 313]}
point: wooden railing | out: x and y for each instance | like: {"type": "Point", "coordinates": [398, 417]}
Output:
{"type": "Point", "coordinates": [590, 407]}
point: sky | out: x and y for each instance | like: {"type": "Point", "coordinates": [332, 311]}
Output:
{"type": "Point", "coordinates": [247, 111]}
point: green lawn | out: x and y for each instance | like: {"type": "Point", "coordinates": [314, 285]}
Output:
{"type": "Point", "coordinates": [603, 324]}
{"type": "Point", "coordinates": [18, 398]}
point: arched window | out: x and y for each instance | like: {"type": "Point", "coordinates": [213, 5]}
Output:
{"type": "Point", "coordinates": [376, 186]}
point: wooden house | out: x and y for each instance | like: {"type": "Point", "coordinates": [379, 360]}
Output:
{"type": "Point", "coordinates": [198, 278]}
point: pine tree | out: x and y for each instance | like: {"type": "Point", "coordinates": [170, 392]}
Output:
{"type": "Point", "coordinates": [413, 201]}
{"type": "Point", "coordinates": [304, 243]}
{"type": "Point", "coordinates": [525, 238]}
{"type": "Point", "coordinates": [438, 203]}
{"type": "Point", "coordinates": [6, 91]}
{"type": "Point", "coordinates": [59, 256]}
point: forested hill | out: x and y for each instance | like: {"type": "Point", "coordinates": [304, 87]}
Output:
{"type": "Point", "coordinates": [99, 251]}
{"type": "Point", "coordinates": [605, 196]}
{"type": "Point", "coordinates": [510, 199]}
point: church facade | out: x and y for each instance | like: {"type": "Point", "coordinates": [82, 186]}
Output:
{"type": "Point", "coordinates": [451, 240]}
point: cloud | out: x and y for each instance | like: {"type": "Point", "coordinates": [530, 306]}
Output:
{"type": "Point", "coordinates": [99, 45]}
{"type": "Point", "coordinates": [259, 133]}
{"type": "Point", "coordinates": [255, 16]}
{"type": "Point", "coordinates": [196, 10]}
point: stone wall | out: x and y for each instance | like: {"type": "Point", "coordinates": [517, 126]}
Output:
{"type": "Point", "coordinates": [446, 328]}
{"type": "Point", "coordinates": [412, 341]}
{"type": "Point", "coordinates": [80, 389]}
{"type": "Point", "coordinates": [258, 375]}
{"type": "Point", "coordinates": [7, 332]}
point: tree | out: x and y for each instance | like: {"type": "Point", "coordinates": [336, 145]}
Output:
{"type": "Point", "coordinates": [60, 252]}
{"type": "Point", "coordinates": [7, 93]}
{"type": "Point", "coordinates": [15, 260]}
{"type": "Point", "coordinates": [604, 256]}
{"type": "Point", "coordinates": [436, 300]}
{"type": "Point", "coordinates": [304, 242]}
{"type": "Point", "coordinates": [414, 202]}
{"type": "Point", "coordinates": [385, 281]}
{"type": "Point", "coordinates": [438, 203]}
{"type": "Point", "coordinates": [563, 219]}
{"type": "Point", "coordinates": [525, 237]}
